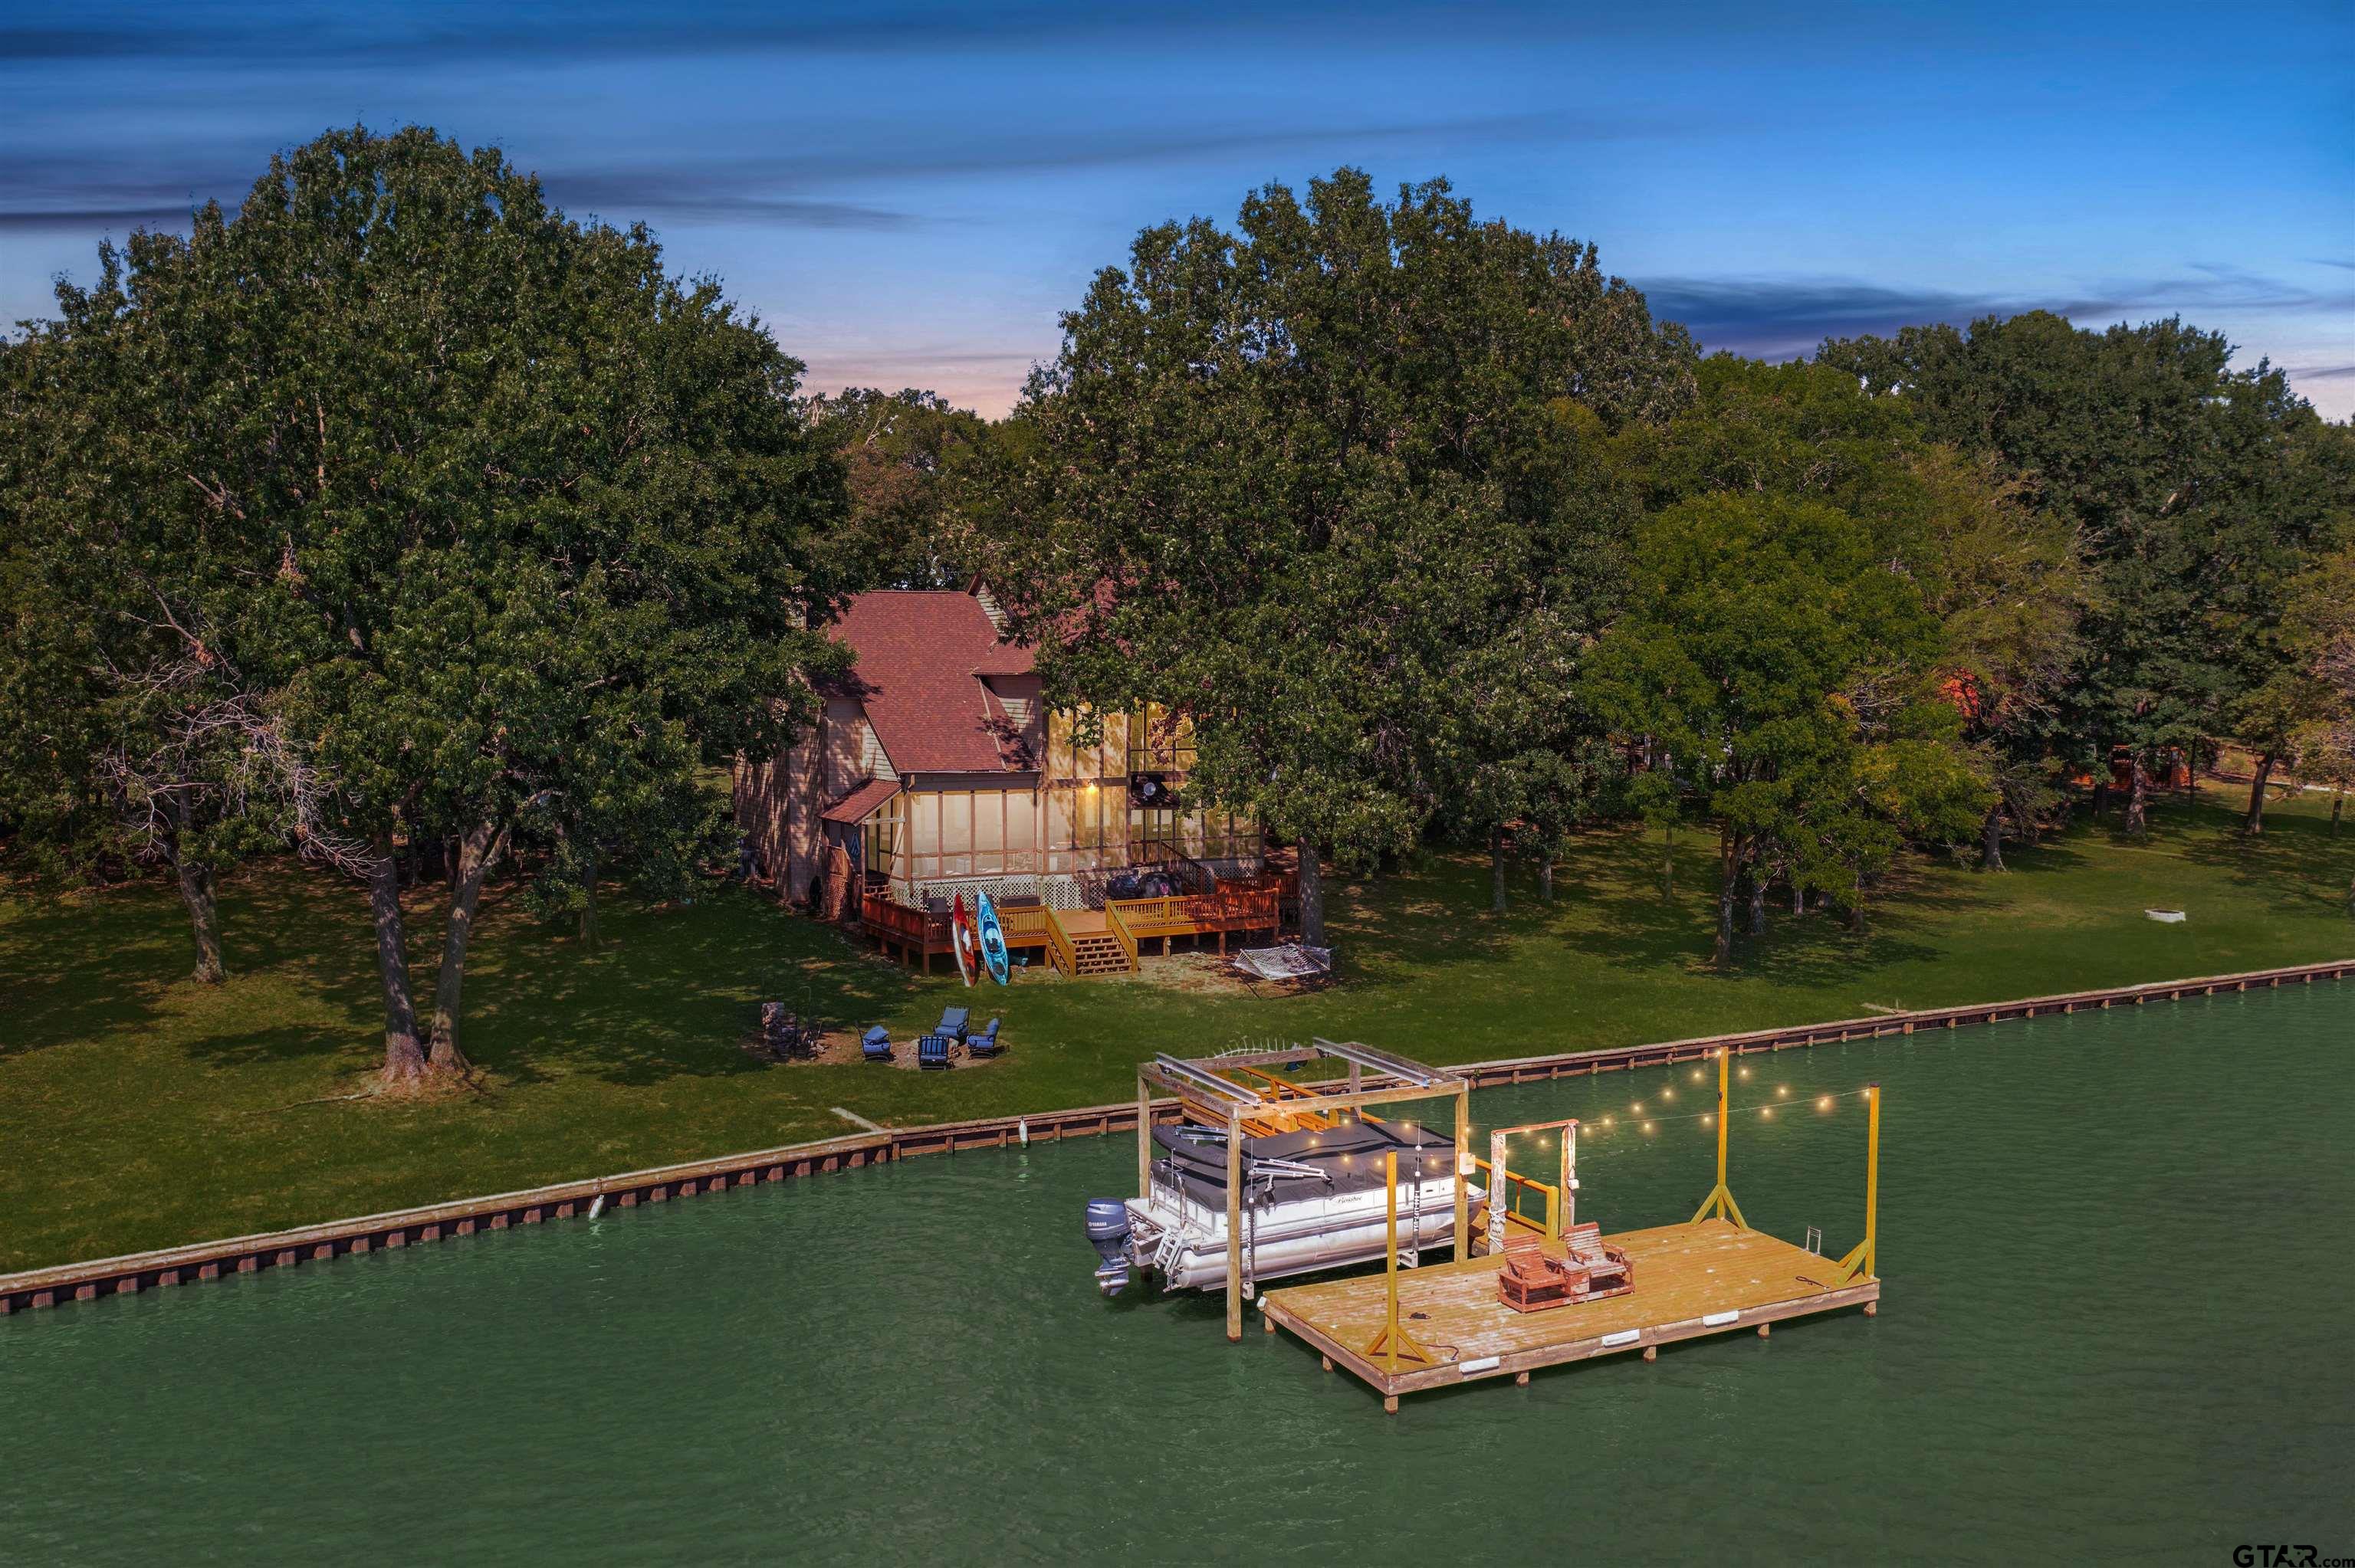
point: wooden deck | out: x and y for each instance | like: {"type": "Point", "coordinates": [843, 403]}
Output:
{"type": "Point", "coordinates": [1711, 1277]}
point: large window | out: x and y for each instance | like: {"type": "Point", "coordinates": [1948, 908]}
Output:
{"type": "Point", "coordinates": [958, 833]}
{"type": "Point", "coordinates": [884, 831]}
{"type": "Point", "coordinates": [1159, 743]}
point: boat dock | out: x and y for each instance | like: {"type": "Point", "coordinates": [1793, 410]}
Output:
{"type": "Point", "coordinates": [1582, 1294]}
{"type": "Point", "coordinates": [1710, 1276]}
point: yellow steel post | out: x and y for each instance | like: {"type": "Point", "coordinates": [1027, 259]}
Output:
{"type": "Point", "coordinates": [1719, 1201]}
{"type": "Point", "coordinates": [1390, 1341]}
{"type": "Point", "coordinates": [1864, 1261]}
{"type": "Point", "coordinates": [1389, 1246]}
{"type": "Point", "coordinates": [1723, 1068]}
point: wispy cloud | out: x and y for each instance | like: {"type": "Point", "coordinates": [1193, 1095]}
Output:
{"type": "Point", "coordinates": [432, 32]}
{"type": "Point", "coordinates": [823, 184]}
{"type": "Point", "coordinates": [1780, 316]}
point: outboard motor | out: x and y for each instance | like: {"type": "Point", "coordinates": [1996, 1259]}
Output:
{"type": "Point", "coordinates": [1108, 1234]}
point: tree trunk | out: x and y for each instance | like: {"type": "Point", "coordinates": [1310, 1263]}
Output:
{"type": "Point", "coordinates": [1728, 869]}
{"type": "Point", "coordinates": [204, 918]}
{"type": "Point", "coordinates": [2338, 804]}
{"type": "Point", "coordinates": [476, 852]}
{"type": "Point", "coordinates": [1312, 896]}
{"type": "Point", "coordinates": [403, 1062]}
{"type": "Point", "coordinates": [1757, 905]}
{"type": "Point", "coordinates": [1798, 896]}
{"type": "Point", "coordinates": [1496, 870]}
{"type": "Point", "coordinates": [1545, 876]}
{"type": "Point", "coordinates": [1667, 865]}
{"type": "Point", "coordinates": [589, 901]}
{"type": "Point", "coordinates": [2256, 823]}
{"type": "Point", "coordinates": [1991, 838]}
{"type": "Point", "coordinates": [2138, 802]}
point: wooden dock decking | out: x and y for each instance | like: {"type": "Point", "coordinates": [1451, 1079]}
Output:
{"type": "Point", "coordinates": [1709, 1277]}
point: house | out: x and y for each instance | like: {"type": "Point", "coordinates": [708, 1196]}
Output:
{"type": "Point", "coordinates": [936, 771]}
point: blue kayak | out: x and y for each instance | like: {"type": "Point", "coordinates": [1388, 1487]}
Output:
{"type": "Point", "coordinates": [993, 940]}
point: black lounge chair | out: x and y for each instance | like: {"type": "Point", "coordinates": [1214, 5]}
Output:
{"type": "Point", "coordinates": [952, 1023]}
{"type": "Point", "coordinates": [932, 1050]}
{"type": "Point", "coordinates": [876, 1044]}
{"type": "Point", "coordinates": [985, 1041]}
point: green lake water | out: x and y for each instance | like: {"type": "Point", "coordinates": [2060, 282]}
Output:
{"type": "Point", "coordinates": [2118, 1252]}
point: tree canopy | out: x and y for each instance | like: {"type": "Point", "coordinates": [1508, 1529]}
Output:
{"type": "Point", "coordinates": [502, 528]}
{"type": "Point", "coordinates": [1287, 474]}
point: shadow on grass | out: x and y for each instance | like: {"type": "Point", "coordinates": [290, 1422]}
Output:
{"type": "Point", "coordinates": [667, 992]}
{"type": "Point", "coordinates": [74, 967]}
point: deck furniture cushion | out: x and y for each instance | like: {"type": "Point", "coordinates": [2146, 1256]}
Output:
{"type": "Point", "coordinates": [876, 1044]}
{"type": "Point", "coordinates": [932, 1050]}
{"type": "Point", "coordinates": [983, 1041]}
{"type": "Point", "coordinates": [953, 1022]}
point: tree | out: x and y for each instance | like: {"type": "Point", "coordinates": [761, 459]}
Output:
{"type": "Point", "coordinates": [1785, 675]}
{"type": "Point", "coordinates": [2006, 582]}
{"type": "Point", "coordinates": [2171, 468]}
{"type": "Point", "coordinates": [505, 523]}
{"type": "Point", "coordinates": [902, 455]}
{"type": "Point", "coordinates": [2318, 628]}
{"type": "Point", "coordinates": [1281, 473]}
{"type": "Point", "coordinates": [129, 735]}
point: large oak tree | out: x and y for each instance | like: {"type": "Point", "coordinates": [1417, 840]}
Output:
{"type": "Point", "coordinates": [512, 529]}
{"type": "Point", "coordinates": [1286, 475]}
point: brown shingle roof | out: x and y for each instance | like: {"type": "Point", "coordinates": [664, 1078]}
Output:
{"type": "Point", "coordinates": [920, 658]}
{"type": "Point", "coordinates": [855, 807]}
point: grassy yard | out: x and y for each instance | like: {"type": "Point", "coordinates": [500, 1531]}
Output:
{"type": "Point", "coordinates": [138, 1109]}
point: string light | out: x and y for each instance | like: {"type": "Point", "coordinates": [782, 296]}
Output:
{"type": "Point", "coordinates": [1637, 1108]}
{"type": "Point", "coordinates": [1707, 1118]}
{"type": "Point", "coordinates": [1745, 1072]}
{"type": "Point", "coordinates": [1668, 1094]}
{"type": "Point", "coordinates": [1767, 1113]}
{"type": "Point", "coordinates": [1824, 1103]}
{"type": "Point", "coordinates": [1648, 1126]}
{"type": "Point", "coordinates": [1782, 1091]}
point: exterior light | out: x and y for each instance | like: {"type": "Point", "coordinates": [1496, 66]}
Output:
{"type": "Point", "coordinates": [1824, 1103]}
{"type": "Point", "coordinates": [1783, 1090]}
{"type": "Point", "coordinates": [1768, 1112]}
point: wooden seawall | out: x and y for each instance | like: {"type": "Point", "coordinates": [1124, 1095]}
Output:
{"type": "Point", "coordinates": [134, 1272]}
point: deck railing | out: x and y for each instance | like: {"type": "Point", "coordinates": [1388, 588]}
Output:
{"type": "Point", "coordinates": [1061, 952]}
{"type": "Point", "coordinates": [1118, 926]}
{"type": "Point", "coordinates": [1023, 924]}
{"type": "Point", "coordinates": [902, 924]}
{"type": "Point", "coordinates": [1232, 908]}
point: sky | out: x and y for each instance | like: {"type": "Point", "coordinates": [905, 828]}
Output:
{"type": "Point", "coordinates": [909, 194]}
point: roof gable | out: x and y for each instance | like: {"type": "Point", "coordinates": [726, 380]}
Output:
{"type": "Point", "coordinates": [920, 655]}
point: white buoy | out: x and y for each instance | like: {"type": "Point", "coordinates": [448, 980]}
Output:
{"type": "Point", "coordinates": [1023, 1128]}
{"type": "Point", "coordinates": [597, 1206]}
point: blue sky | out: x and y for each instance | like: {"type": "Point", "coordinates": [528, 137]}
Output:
{"type": "Point", "coordinates": [909, 194]}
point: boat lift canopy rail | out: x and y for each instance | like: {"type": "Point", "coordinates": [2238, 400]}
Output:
{"type": "Point", "coordinates": [1400, 1067]}
{"type": "Point", "coordinates": [1187, 1075]}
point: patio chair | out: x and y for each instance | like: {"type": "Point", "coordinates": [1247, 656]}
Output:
{"type": "Point", "coordinates": [932, 1050]}
{"type": "Point", "coordinates": [952, 1023]}
{"type": "Point", "coordinates": [983, 1041]}
{"type": "Point", "coordinates": [875, 1045]}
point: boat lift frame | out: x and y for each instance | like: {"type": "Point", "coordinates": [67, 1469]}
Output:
{"type": "Point", "coordinates": [1208, 1096]}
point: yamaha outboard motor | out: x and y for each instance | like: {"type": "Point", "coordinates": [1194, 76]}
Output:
{"type": "Point", "coordinates": [1108, 1234]}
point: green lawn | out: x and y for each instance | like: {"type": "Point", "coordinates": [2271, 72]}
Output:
{"type": "Point", "coordinates": [138, 1109]}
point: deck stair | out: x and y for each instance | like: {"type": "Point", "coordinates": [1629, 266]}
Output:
{"type": "Point", "coordinates": [1090, 945]}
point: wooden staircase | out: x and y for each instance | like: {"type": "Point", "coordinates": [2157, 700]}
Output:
{"type": "Point", "coordinates": [1085, 942]}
